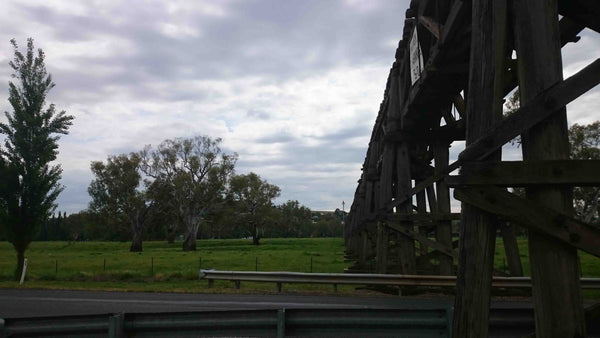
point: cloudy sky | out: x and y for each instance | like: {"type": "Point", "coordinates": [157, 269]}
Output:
{"type": "Point", "coordinates": [292, 86]}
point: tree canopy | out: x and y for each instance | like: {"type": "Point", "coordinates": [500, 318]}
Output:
{"type": "Point", "coordinates": [254, 197]}
{"type": "Point", "coordinates": [194, 174]}
{"type": "Point", "coordinates": [118, 194]}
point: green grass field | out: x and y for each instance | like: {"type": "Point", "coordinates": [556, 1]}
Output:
{"type": "Point", "coordinates": [164, 267]}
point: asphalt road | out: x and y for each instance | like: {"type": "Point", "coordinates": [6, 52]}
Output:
{"type": "Point", "coordinates": [16, 303]}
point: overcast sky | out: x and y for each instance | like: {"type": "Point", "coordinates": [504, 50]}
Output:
{"type": "Point", "coordinates": [292, 86]}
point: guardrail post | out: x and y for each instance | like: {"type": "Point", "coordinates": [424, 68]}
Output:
{"type": "Point", "coordinates": [237, 284]}
{"type": "Point", "coordinates": [2, 328]}
{"type": "Point", "coordinates": [211, 283]}
{"type": "Point", "coordinates": [335, 288]}
{"type": "Point", "coordinates": [449, 318]}
{"type": "Point", "coordinates": [278, 286]}
{"type": "Point", "coordinates": [116, 327]}
{"type": "Point", "coordinates": [281, 323]}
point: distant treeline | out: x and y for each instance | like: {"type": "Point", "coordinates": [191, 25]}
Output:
{"type": "Point", "coordinates": [286, 221]}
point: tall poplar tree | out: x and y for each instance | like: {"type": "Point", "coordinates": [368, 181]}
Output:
{"type": "Point", "coordinates": [29, 184]}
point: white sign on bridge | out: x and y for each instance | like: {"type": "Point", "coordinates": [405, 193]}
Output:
{"type": "Point", "coordinates": [416, 58]}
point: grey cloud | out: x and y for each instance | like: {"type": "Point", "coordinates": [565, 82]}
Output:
{"type": "Point", "coordinates": [359, 130]}
{"type": "Point", "coordinates": [261, 115]}
{"type": "Point", "coordinates": [271, 39]}
{"type": "Point", "coordinates": [275, 138]}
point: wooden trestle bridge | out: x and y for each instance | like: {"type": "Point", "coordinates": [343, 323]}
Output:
{"type": "Point", "coordinates": [466, 56]}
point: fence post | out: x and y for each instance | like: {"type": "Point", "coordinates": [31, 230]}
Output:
{"type": "Point", "coordinates": [23, 271]}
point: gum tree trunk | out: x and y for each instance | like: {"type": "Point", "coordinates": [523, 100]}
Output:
{"type": "Point", "coordinates": [255, 235]}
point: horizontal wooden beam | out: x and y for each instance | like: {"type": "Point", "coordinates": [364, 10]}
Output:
{"type": "Point", "coordinates": [425, 217]}
{"type": "Point", "coordinates": [454, 131]}
{"type": "Point", "coordinates": [416, 236]}
{"type": "Point", "coordinates": [530, 214]}
{"type": "Point", "coordinates": [522, 174]}
{"type": "Point", "coordinates": [535, 111]}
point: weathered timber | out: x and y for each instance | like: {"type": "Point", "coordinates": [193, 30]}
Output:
{"type": "Point", "coordinates": [460, 105]}
{"type": "Point", "coordinates": [433, 80]}
{"type": "Point", "coordinates": [453, 131]}
{"type": "Point", "coordinates": [423, 239]}
{"type": "Point", "coordinates": [443, 231]}
{"type": "Point", "coordinates": [432, 26]}
{"type": "Point", "coordinates": [422, 211]}
{"type": "Point", "coordinates": [433, 216]}
{"type": "Point", "coordinates": [585, 12]}
{"type": "Point", "coordinates": [407, 196]}
{"type": "Point", "coordinates": [535, 216]}
{"type": "Point", "coordinates": [530, 173]}
{"type": "Point", "coordinates": [382, 248]}
{"type": "Point", "coordinates": [385, 196]}
{"type": "Point", "coordinates": [509, 239]}
{"type": "Point", "coordinates": [363, 251]}
{"type": "Point", "coordinates": [458, 14]}
{"type": "Point", "coordinates": [406, 249]}
{"type": "Point", "coordinates": [484, 110]}
{"type": "Point", "coordinates": [431, 198]}
{"type": "Point", "coordinates": [537, 109]}
{"type": "Point", "coordinates": [568, 33]}
{"type": "Point", "coordinates": [554, 267]}
{"type": "Point", "coordinates": [569, 30]}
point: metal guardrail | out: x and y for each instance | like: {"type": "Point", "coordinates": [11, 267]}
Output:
{"type": "Point", "coordinates": [365, 279]}
{"type": "Point", "coordinates": [275, 322]}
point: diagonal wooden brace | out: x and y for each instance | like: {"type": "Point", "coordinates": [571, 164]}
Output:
{"type": "Point", "coordinates": [533, 216]}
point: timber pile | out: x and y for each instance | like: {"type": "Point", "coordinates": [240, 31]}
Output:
{"type": "Point", "coordinates": [454, 66]}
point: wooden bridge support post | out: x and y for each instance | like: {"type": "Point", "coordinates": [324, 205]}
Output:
{"type": "Point", "coordinates": [484, 108]}
{"type": "Point", "coordinates": [382, 247]}
{"type": "Point", "coordinates": [443, 231]}
{"type": "Point", "coordinates": [554, 266]}
{"type": "Point", "coordinates": [406, 248]}
{"type": "Point", "coordinates": [509, 238]}
{"type": "Point", "coordinates": [385, 196]}
{"type": "Point", "coordinates": [422, 210]}
{"type": "Point", "coordinates": [363, 250]}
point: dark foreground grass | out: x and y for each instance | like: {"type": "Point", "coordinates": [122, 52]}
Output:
{"type": "Point", "coordinates": [164, 267]}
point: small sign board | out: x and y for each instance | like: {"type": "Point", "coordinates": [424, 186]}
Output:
{"type": "Point", "coordinates": [416, 58]}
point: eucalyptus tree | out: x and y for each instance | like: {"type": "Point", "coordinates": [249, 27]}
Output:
{"type": "Point", "coordinates": [29, 184]}
{"type": "Point", "coordinates": [119, 195]}
{"type": "Point", "coordinates": [296, 218]}
{"type": "Point", "coordinates": [254, 198]}
{"type": "Point", "coordinates": [585, 145]}
{"type": "Point", "coordinates": [194, 174]}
